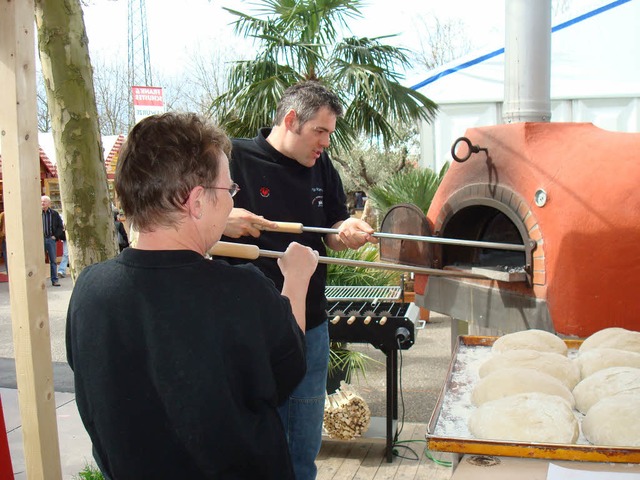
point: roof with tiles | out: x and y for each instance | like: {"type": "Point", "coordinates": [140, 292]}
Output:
{"type": "Point", "coordinates": [111, 143]}
{"type": "Point", "coordinates": [47, 168]}
{"type": "Point", "coordinates": [111, 161]}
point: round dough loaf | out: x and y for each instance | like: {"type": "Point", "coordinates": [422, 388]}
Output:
{"type": "Point", "coordinates": [510, 381]}
{"type": "Point", "coordinates": [525, 417]}
{"type": "Point", "coordinates": [606, 383]}
{"type": "Point", "coordinates": [614, 421]}
{"type": "Point", "coordinates": [554, 364]}
{"type": "Point", "coordinates": [597, 359]}
{"type": "Point", "coordinates": [539, 340]}
{"type": "Point", "coordinates": [613, 337]}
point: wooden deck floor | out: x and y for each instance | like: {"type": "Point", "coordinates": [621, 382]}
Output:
{"type": "Point", "coordinates": [367, 460]}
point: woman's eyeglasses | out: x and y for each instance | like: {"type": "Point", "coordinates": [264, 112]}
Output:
{"type": "Point", "coordinates": [233, 189]}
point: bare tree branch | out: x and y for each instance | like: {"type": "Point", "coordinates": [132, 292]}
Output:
{"type": "Point", "coordinates": [442, 42]}
{"type": "Point", "coordinates": [112, 96]}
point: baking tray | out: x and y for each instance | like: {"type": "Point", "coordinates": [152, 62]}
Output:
{"type": "Point", "coordinates": [447, 430]}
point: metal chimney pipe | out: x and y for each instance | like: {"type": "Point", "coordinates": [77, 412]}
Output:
{"type": "Point", "coordinates": [527, 70]}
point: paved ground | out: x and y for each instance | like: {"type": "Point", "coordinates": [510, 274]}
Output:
{"type": "Point", "coordinates": [58, 301]}
{"type": "Point", "coordinates": [422, 370]}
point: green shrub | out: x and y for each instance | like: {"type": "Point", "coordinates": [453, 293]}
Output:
{"type": "Point", "coordinates": [344, 275]}
{"type": "Point", "coordinates": [89, 472]}
{"type": "Point", "coordinates": [417, 186]}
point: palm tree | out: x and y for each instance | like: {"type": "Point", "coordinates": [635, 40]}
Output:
{"type": "Point", "coordinates": [299, 40]}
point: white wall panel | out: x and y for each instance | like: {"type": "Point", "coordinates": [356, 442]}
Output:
{"type": "Point", "coordinates": [616, 114]}
{"type": "Point", "coordinates": [451, 123]}
{"type": "Point", "coordinates": [436, 139]}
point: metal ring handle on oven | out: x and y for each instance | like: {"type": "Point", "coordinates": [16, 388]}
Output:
{"type": "Point", "coordinates": [471, 149]}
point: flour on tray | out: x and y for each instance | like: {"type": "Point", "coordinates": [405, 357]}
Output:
{"type": "Point", "coordinates": [457, 406]}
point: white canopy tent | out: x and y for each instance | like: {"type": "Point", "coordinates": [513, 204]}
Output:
{"type": "Point", "coordinates": [595, 77]}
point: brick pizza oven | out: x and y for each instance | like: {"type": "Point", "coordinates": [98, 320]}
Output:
{"type": "Point", "coordinates": [570, 194]}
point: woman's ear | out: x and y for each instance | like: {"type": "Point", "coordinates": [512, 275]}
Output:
{"type": "Point", "coordinates": [194, 202]}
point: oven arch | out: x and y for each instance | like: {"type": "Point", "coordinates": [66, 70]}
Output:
{"type": "Point", "coordinates": [458, 218]}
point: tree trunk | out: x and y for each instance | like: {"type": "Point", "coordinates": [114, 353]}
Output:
{"type": "Point", "coordinates": [370, 215]}
{"type": "Point", "coordinates": [68, 76]}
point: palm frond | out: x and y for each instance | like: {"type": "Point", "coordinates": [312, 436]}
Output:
{"type": "Point", "coordinates": [417, 186]}
{"type": "Point", "coordinates": [248, 25]}
{"type": "Point", "coordinates": [344, 135]}
{"type": "Point", "coordinates": [371, 52]}
{"type": "Point", "coordinates": [345, 275]}
{"type": "Point", "coordinates": [371, 122]}
{"type": "Point", "coordinates": [350, 361]}
{"type": "Point", "coordinates": [251, 103]}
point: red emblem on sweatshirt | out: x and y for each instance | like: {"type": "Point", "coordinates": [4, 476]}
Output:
{"type": "Point", "coordinates": [265, 192]}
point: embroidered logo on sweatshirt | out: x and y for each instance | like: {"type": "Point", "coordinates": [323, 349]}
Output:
{"type": "Point", "coordinates": [265, 192]}
{"type": "Point", "coordinates": [318, 196]}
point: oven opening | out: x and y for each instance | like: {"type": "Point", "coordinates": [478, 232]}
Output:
{"type": "Point", "coordinates": [487, 224]}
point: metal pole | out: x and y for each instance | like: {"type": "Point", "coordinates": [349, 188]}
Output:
{"type": "Point", "coordinates": [419, 238]}
{"type": "Point", "coordinates": [293, 227]}
{"type": "Point", "coordinates": [383, 266]}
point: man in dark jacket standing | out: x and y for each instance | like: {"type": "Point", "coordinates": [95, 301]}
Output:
{"type": "Point", "coordinates": [53, 230]}
{"type": "Point", "coordinates": [286, 175]}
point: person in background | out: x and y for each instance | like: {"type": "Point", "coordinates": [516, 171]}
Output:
{"type": "Point", "coordinates": [64, 262]}
{"type": "Point", "coordinates": [286, 175]}
{"type": "Point", "coordinates": [180, 361]}
{"type": "Point", "coordinates": [121, 232]}
{"type": "Point", "coordinates": [53, 230]}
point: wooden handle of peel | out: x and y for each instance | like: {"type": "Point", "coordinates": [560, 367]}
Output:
{"type": "Point", "coordinates": [286, 227]}
{"type": "Point", "coordinates": [235, 250]}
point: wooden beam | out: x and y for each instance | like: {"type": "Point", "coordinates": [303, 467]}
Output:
{"type": "Point", "coordinates": [25, 245]}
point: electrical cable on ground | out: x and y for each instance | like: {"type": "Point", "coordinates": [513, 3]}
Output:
{"type": "Point", "coordinates": [415, 455]}
{"type": "Point", "coordinates": [396, 442]}
{"type": "Point", "coordinates": [442, 463]}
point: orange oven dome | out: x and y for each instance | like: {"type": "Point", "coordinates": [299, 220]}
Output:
{"type": "Point", "coordinates": [574, 190]}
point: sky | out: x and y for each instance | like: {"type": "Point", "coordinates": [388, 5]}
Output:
{"type": "Point", "coordinates": [175, 31]}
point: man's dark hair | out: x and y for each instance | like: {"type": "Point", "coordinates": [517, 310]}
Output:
{"type": "Point", "coordinates": [163, 159]}
{"type": "Point", "coordinates": [306, 98]}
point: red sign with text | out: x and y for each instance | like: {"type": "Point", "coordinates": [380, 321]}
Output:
{"type": "Point", "coordinates": [147, 101]}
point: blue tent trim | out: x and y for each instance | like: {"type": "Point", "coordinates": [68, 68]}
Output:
{"type": "Point", "coordinates": [500, 51]}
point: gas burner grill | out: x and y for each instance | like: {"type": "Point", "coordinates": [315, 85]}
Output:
{"type": "Point", "coordinates": [385, 325]}
{"type": "Point", "coordinates": [378, 316]}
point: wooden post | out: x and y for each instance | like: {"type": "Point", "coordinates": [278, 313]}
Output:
{"type": "Point", "coordinates": [21, 177]}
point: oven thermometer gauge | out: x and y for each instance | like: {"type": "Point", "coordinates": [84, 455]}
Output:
{"type": "Point", "coordinates": [540, 198]}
